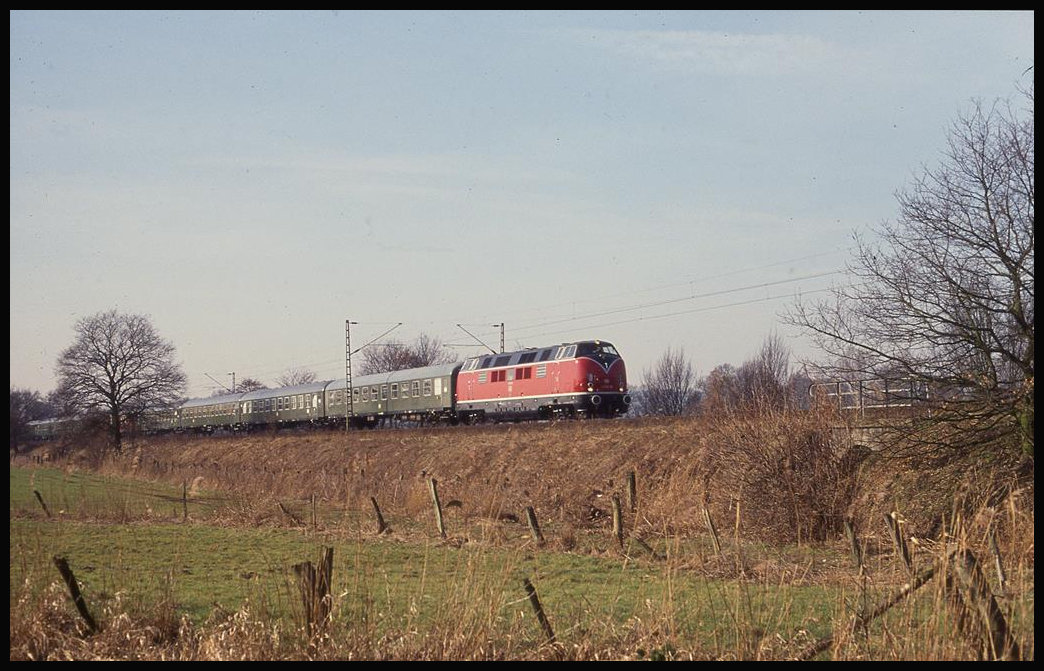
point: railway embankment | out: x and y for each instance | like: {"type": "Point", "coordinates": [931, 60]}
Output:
{"type": "Point", "coordinates": [776, 477]}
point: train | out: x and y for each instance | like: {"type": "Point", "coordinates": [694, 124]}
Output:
{"type": "Point", "coordinates": [579, 379]}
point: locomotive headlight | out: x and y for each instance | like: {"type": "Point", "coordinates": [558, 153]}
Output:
{"type": "Point", "coordinates": [590, 387]}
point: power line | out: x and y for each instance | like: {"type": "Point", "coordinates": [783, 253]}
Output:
{"type": "Point", "coordinates": [671, 301]}
{"type": "Point", "coordinates": [677, 314]}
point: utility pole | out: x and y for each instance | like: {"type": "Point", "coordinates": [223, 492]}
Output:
{"type": "Point", "coordinates": [501, 325]}
{"type": "Point", "coordinates": [349, 408]}
{"type": "Point", "coordinates": [349, 400]}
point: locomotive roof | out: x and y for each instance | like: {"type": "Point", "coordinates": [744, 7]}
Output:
{"type": "Point", "coordinates": [515, 357]}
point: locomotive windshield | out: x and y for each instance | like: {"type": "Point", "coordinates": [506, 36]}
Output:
{"type": "Point", "coordinates": [601, 352]}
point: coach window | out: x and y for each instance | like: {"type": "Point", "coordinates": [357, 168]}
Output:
{"type": "Point", "coordinates": [384, 392]}
{"type": "Point", "coordinates": [355, 395]}
{"type": "Point", "coordinates": [415, 388]}
{"type": "Point", "coordinates": [394, 390]}
{"type": "Point", "coordinates": [365, 394]}
{"type": "Point", "coordinates": [427, 387]}
{"type": "Point", "coordinates": [293, 403]}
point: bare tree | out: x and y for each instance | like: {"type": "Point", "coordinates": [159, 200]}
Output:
{"type": "Point", "coordinates": [670, 386]}
{"type": "Point", "coordinates": [26, 406]}
{"type": "Point", "coordinates": [424, 351]}
{"type": "Point", "coordinates": [119, 365]}
{"type": "Point", "coordinates": [250, 384]}
{"type": "Point", "coordinates": [762, 380]}
{"type": "Point", "coordinates": [721, 390]}
{"type": "Point", "coordinates": [293, 377]}
{"type": "Point", "coordinates": [944, 295]}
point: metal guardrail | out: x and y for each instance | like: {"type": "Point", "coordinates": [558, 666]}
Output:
{"type": "Point", "coordinates": [873, 393]}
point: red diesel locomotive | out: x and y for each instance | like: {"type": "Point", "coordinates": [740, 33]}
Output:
{"type": "Point", "coordinates": [580, 379]}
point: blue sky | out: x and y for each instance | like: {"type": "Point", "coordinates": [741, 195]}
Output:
{"type": "Point", "coordinates": [250, 180]}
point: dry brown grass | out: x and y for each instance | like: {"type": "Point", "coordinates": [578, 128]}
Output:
{"type": "Point", "coordinates": [772, 480]}
{"type": "Point", "coordinates": [777, 477]}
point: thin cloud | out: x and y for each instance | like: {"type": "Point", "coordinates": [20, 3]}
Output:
{"type": "Point", "coordinates": [725, 53]}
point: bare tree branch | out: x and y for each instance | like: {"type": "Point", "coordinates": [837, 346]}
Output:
{"type": "Point", "coordinates": [119, 365]}
{"type": "Point", "coordinates": [944, 294]}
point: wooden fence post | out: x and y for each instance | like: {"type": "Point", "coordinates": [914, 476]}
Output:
{"type": "Point", "coordinates": [433, 486]}
{"type": "Point", "coordinates": [632, 493]}
{"type": "Point", "coordinates": [381, 526]}
{"type": "Point", "coordinates": [74, 591]}
{"type": "Point", "coordinates": [42, 504]}
{"type": "Point", "coordinates": [315, 591]}
{"type": "Point", "coordinates": [184, 500]}
{"type": "Point", "coordinates": [1002, 579]}
{"type": "Point", "coordinates": [534, 601]}
{"type": "Point", "coordinates": [618, 531]}
{"type": "Point", "coordinates": [854, 546]}
{"type": "Point", "coordinates": [897, 538]}
{"type": "Point", "coordinates": [713, 532]}
{"type": "Point", "coordinates": [998, 643]}
{"type": "Point", "coordinates": [534, 528]}
{"type": "Point", "coordinates": [289, 514]}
